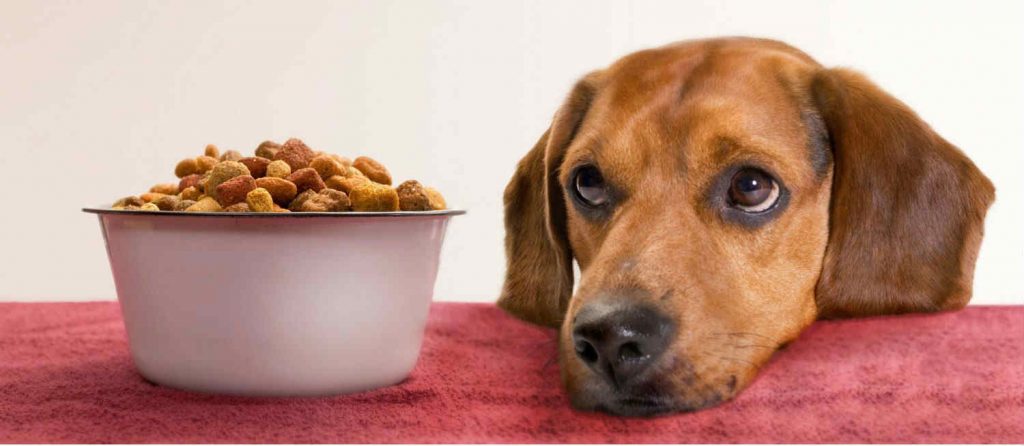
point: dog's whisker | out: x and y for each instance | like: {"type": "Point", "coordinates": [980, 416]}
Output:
{"type": "Point", "coordinates": [752, 346]}
{"type": "Point", "coordinates": [741, 334]}
{"type": "Point", "coordinates": [743, 361]}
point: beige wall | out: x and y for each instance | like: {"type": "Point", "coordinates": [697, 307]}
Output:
{"type": "Point", "coordinates": [100, 98]}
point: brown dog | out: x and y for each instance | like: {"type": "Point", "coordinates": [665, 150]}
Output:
{"type": "Point", "coordinates": [719, 196]}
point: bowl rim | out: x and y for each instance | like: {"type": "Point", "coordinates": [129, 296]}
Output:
{"type": "Point", "coordinates": [399, 214]}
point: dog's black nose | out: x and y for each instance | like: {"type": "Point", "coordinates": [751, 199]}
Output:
{"type": "Point", "coordinates": [620, 342]}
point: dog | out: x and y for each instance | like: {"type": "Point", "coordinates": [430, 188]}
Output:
{"type": "Point", "coordinates": [719, 196]}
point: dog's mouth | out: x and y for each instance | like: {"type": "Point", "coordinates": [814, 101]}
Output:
{"type": "Point", "coordinates": [640, 406]}
{"type": "Point", "coordinates": [652, 398]}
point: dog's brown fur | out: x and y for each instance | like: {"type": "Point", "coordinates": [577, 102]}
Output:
{"type": "Point", "coordinates": [883, 215]}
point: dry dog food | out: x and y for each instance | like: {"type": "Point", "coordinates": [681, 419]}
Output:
{"type": "Point", "coordinates": [289, 177]}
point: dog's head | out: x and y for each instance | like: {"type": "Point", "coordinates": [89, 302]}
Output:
{"type": "Point", "coordinates": [719, 196]}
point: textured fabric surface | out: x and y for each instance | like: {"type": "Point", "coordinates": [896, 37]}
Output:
{"type": "Point", "coordinates": [66, 376]}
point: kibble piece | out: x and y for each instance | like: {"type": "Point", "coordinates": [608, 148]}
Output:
{"type": "Point", "coordinates": [267, 149]}
{"type": "Point", "coordinates": [344, 162]}
{"type": "Point", "coordinates": [167, 203]}
{"type": "Point", "coordinates": [372, 169]}
{"type": "Point", "coordinates": [237, 207]}
{"type": "Point", "coordinates": [186, 167]}
{"type": "Point", "coordinates": [412, 197]}
{"type": "Point", "coordinates": [296, 204]}
{"type": "Point", "coordinates": [165, 188]}
{"type": "Point", "coordinates": [223, 171]}
{"type": "Point", "coordinates": [149, 207]}
{"type": "Point", "coordinates": [183, 204]}
{"type": "Point", "coordinates": [282, 190]}
{"type": "Point", "coordinates": [205, 163]}
{"type": "Point", "coordinates": [345, 185]}
{"type": "Point", "coordinates": [234, 190]}
{"type": "Point", "coordinates": [278, 169]}
{"type": "Point", "coordinates": [296, 153]}
{"type": "Point", "coordinates": [307, 179]}
{"type": "Point", "coordinates": [260, 200]}
{"type": "Point", "coordinates": [151, 196]}
{"type": "Point", "coordinates": [231, 155]}
{"type": "Point", "coordinates": [190, 193]}
{"type": "Point", "coordinates": [353, 172]}
{"type": "Point", "coordinates": [373, 197]}
{"type": "Point", "coordinates": [328, 200]}
{"type": "Point", "coordinates": [207, 204]}
{"type": "Point", "coordinates": [326, 167]}
{"type": "Point", "coordinates": [257, 165]}
{"type": "Point", "coordinates": [437, 202]}
{"type": "Point", "coordinates": [189, 181]}
{"type": "Point", "coordinates": [211, 151]}
{"type": "Point", "coordinates": [126, 202]}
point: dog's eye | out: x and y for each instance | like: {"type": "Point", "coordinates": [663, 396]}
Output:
{"type": "Point", "coordinates": [752, 190]}
{"type": "Point", "coordinates": [590, 187]}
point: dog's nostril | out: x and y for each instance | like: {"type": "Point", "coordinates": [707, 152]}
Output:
{"type": "Point", "coordinates": [630, 351]}
{"type": "Point", "coordinates": [586, 351]}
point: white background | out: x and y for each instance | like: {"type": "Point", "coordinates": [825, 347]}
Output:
{"type": "Point", "coordinates": [100, 99]}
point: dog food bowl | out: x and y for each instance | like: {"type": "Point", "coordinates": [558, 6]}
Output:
{"type": "Point", "coordinates": [293, 304]}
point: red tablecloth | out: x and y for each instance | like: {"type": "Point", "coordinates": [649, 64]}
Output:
{"type": "Point", "coordinates": [66, 376]}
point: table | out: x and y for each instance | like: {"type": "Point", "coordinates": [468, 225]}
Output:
{"type": "Point", "coordinates": [66, 376]}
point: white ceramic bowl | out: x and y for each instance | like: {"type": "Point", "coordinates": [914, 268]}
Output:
{"type": "Point", "coordinates": [274, 304]}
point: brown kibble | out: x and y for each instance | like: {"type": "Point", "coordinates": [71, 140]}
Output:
{"type": "Point", "coordinates": [260, 200]}
{"type": "Point", "coordinates": [257, 165]}
{"type": "Point", "coordinates": [373, 197]}
{"type": "Point", "coordinates": [183, 204]}
{"type": "Point", "coordinates": [306, 179]}
{"type": "Point", "coordinates": [207, 204]}
{"type": "Point", "coordinates": [167, 203]}
{"type": "Point", "coordinates": [237, 207]}
{"type": "Point", "coordinates": [165, 188]}
{"type": "Point", "coordinates": [372, 169]}
{"type": "Point", "coordinates": [278, 169]}
{"type": "Point", "coordinates": [189, 181]}
{"type": "Point", "coordinates": [231, 155]}
{"type": "Point", "coordinates": [151, 196]}
{"type": "Point", "coordinates": [190, 193]}
{"type": "Point", "coordinates": [223, 171]}
{"type": "Point", "coordinates": [186, 167]}
{"type": "Point", "coordinates": [296, 204]}
{"type": "Point", "coordinates": [234, 190]}
{"type": "Point", "coordinates": [326, 167]}
{"type": "Point", "coordinates": [296, 153]}
{"type": "Point", "coordinates": [127, 202]}
{"type": "Point", "coordinates": [341, 160]}
{"type": "Point", "coordinates": [205, 163]}
{"type": "Point", "coordinates": [328, 200]}
{"type": "Point", "coordinates": [345, 185]}
{"type": "Point", "coordinates": [294, 160]}
{"type": "Point", "coordinates": [412, 197]}
{"type": "Point", "coordinates": [267, 149]}
{"type": "Point", "coordinates": [282, 190]}
{"type": "Point", "coordinates": [437, 202]}
{"type": "Point", "coordinates": [353, 172]}
{"type": "Point", "coordinates": [211, 151]}
{"type": "Point", "coordinates": [149, 207]}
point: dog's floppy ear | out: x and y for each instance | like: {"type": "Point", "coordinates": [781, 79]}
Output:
{"type": "Point", "coordinates": [907, 210]}
{"type": "Point", "coordinates": [539, 276]}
